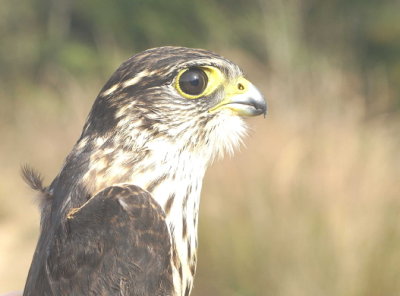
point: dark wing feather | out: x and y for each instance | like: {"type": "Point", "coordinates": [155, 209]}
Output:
{"type": "Point", "coordinates": [115, 244]}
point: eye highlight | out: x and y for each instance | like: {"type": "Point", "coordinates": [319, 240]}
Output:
{"type": "Point", "coordinates": [193, 81]}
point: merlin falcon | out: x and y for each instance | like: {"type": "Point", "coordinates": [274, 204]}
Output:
{"type": "Point", "coordinates": [121, 216]}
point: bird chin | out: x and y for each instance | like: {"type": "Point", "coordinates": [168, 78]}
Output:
{"type": "Point", "coordinates": [228, 134]}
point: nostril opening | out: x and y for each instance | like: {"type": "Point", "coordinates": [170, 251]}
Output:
{"type": "Point", "coordinates": [240, 86]}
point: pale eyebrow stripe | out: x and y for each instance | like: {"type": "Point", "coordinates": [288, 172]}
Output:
{"type": "Point", "coordinates": [126, 83]}
{"type": "Point", "coordinates": [135, 79]}
{"type": "Point", "coordinates": [110, 90]}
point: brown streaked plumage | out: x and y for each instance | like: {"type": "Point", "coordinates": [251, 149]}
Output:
{"type": "Point", "coordinates": [121, 216]}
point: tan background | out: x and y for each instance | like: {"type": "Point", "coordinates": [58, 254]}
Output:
{"type": "Point", "coordinates": [309, 207]}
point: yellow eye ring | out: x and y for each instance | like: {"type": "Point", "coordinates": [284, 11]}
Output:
{"type": "Point", "coordinates": [196, 82]}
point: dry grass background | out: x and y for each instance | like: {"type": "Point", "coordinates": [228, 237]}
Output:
{"type": "Point", "coordinates": [309, 207]}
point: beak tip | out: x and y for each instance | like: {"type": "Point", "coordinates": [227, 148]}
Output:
{"type": "Point", "coordinates": [260, 105]}
{"type": "Point", "coordinates": [257, 100]}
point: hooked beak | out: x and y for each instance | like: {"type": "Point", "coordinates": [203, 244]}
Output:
{"type": "Point", "coordinates": [243, 99]}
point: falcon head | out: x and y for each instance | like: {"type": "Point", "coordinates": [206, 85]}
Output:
{"type": "Point", "coordinates": [155, 126]}
{"type": "Point", "coordinates": [190, 98]}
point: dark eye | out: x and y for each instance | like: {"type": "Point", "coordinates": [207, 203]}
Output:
{"type": "Point", "coordinates": [193, 81]}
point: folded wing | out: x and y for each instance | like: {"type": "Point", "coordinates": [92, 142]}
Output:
{"type": "Point", "coordinates": [115, 244]}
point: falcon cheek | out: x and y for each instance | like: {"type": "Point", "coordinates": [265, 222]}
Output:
{"type": "Point", "coordinates": [242, 98]}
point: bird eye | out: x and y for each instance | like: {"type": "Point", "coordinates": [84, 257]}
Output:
{"type": "Point", "coordinates": [193, 81]}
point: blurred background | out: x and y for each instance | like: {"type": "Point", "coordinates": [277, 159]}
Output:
{"type": "Point", "coordinates": [311, 205]}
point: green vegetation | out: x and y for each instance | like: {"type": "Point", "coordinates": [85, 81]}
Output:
{"type": "Point", "coordinates": [310, 207]}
